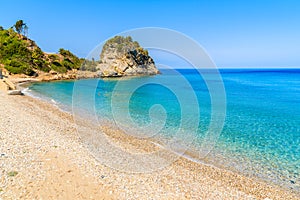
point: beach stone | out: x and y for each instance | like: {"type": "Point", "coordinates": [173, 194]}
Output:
{"type": "Point", "coordinates": [14, 92]}
{"type": "Point", "coordinates": [292, 182]}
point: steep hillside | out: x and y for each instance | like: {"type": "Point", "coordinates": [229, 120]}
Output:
{"type": "Point", "coordinates": [20, 55]}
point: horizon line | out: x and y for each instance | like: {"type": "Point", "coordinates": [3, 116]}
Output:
{"type": "Point", "coordinates": [265, 67]}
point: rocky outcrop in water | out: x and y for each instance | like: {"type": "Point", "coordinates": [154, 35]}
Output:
{"type": "Point", "coordinates": [121, 56]}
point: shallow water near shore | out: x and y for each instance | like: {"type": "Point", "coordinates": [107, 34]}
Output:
{"type": "Point", "coordinates": [261, 134]}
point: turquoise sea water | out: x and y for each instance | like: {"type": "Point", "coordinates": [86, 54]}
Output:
{"type": "Point", "coordinates": [261, 134]}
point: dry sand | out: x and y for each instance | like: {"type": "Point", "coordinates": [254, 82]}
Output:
{"type": "Point", "coordinates": [42, 157]}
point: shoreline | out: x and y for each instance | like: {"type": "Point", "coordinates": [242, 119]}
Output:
{"type": "Point", "coordinates": [245, 187]}
{"type": "Point", "coordinates": [189, 154]}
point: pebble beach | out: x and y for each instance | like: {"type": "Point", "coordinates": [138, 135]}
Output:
{"type": "Point", "coordinates": [42, 157]}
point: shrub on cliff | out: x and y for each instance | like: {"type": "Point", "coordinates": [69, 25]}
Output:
{"type": "Point", "coordinates": [89, 65]}
{"type": "Point", "coordinates": [17, 67]}
{"type": "Point", "coordinates": [14, 54]}
{"type": "Point", "coordinates": [70, 60]}
{"type": "Point", "coordinates": [121, 44]}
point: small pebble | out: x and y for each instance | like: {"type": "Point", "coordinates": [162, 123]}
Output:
{"type": "Point", "coordinates": [292, 182]}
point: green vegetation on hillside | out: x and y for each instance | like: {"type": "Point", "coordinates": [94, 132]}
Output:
{"type": "Point", "coordinates": [14, 54]}
{"type": "Point", "coordinates": [88, 65]}
{"type": "Point", "coordinates": [121, 42]}
{"type": "Point", "coordinates": [20, 55]}
{"type": "Point", "coordinates": [123, 45]}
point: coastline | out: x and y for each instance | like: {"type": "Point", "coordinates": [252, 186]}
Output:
{"type": "Point", "coordinates": [25, 144]}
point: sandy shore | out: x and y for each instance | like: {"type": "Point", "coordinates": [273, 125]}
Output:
{"type": "Point", "coordinates": [42, 157]}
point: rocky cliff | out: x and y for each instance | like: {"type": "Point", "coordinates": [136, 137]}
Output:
{"type": "Point", "coordinates": [121, 56]}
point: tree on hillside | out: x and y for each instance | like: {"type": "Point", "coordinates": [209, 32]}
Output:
{"type": "Point", "coordinates": [1, 28]}
{"type": "Point", "coordinates": [26, 30]}
{"type": "Point", "coordinates": [21, 27]}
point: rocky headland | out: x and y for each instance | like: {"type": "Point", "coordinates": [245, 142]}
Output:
{"type": "Point", "coordinates": [121, 56]}
{"type": "Point", "coordinates": [22, 60]}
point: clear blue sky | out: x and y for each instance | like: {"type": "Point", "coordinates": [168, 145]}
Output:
{"type": "Point", "coordinates": [241, 33]}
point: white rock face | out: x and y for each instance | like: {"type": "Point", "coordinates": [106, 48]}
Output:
{"type": "Point", "coordinates": [121, 56]}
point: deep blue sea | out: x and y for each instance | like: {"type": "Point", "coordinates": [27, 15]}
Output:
{"type": "Point", "coordinates": [261, 132]}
